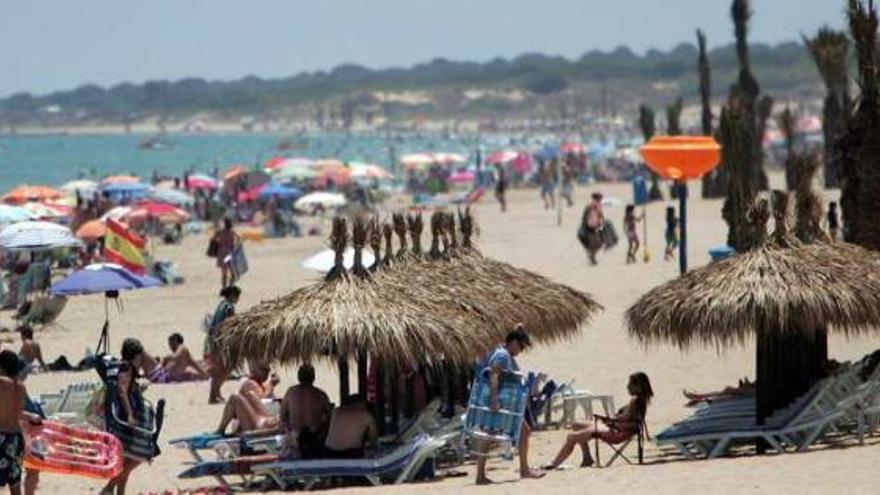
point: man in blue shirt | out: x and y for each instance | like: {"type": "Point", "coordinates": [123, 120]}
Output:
{"type": "Point", "coordinates": [499, 361]}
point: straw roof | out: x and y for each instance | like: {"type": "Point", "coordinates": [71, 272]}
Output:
{"type": "Point", "coordinates": [496, 293]}
{"type": "Point", "coordinates": [781, 285]}
{"type": "Point", "coordinates": [348, 314]}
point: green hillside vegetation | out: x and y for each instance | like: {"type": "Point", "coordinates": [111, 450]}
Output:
{"type": "Point", "coordinates": [625, 77]}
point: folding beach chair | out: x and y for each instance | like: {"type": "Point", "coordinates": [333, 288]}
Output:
{"type": "Point", "coordinates": [503, 426]}
{"type": "Point", "coordinates": [619, 445]}
{"type": "Point", "coordinates": [139, 440]}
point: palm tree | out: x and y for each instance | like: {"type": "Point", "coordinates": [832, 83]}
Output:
{"type": "Point", "coordinates": [710, 189]}
{"type": "Point", "coordinates": [746, 119]}
{"type": "Point", "coordinates": [673, 118]}
{"type": "Point", "coordinates": [830, 52]}
{"type": "Point", "coordinates": [786, 123]}
{"type": "Point", "coordinates": [649, 127]}
{"type": "Point", "coordinates": [860, 147]}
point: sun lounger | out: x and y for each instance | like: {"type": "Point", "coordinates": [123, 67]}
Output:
{"type": "Point", "coordinates": [795, 427]}
{"type": "Point", "coordinates": [402, 464]}
{"type": "Point", "coordinates": [70, 406]}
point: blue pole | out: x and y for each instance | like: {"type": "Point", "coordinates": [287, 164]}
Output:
{"type": "Point", "coordinates": [682, 226]}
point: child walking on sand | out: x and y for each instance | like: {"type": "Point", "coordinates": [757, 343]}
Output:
{"type": "Point", "coordinates": [629, 224]}
{"type": "Point", "coordinates": [671, 233]}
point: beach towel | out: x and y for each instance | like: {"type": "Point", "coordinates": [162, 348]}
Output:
{"type": "Point", "coordinates": [237, 261]}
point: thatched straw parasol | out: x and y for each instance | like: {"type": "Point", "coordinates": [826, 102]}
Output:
{"type": "Point", "coordinates": [782, 291]}
{"type": "Point", "coordinates": [350, 313]}
{"type": "Point", "coordinates": [495, 293]}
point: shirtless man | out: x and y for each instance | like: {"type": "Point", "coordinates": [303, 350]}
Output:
{"type": "Point", "coordinates": [247, 407]}
{"type": "Point", "coordinates": [173, 369]}
{"type": "Point", "coordinates": [180, 364]}
{"type": "Point", "coordinates": [305, 414]}
{"type": "Point", "coordinates": [30, 351]}
{"type": "Point", "coordinates": [12, 399]}
{"type": "Point", "coordinates": [351, 429]}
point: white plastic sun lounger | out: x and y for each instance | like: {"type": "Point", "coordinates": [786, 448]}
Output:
{"type": "Point", "coordinates": [403, 462]}
{"type": "Point", "coordinates": [795, 427]}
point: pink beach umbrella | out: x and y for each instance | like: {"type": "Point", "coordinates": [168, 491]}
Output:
{"type": "Point", "coordinates": [501, 157]}
{"type": "Point", "coordinates": [462, 177]}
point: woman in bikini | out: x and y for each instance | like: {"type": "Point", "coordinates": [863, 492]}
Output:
{"type": "Point", "coordinates": [627, 422]}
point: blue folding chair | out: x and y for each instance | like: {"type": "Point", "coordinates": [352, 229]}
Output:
{"type": "Point", "coordinates": [502, 426]}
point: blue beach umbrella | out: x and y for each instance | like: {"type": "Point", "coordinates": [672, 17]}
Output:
{"type": "Point", "coordinates": [279, 191]}
{"type": "Point", "coordinates": [102, 277]}
{"type": "Point", "coordinates": [106, 278]}
{"type": "Point", "coordinates": [547, 152]}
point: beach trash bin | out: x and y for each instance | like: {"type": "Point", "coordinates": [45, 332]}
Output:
{"type": "Point", "coordinates": [640, 190]}
{"type": "Point", "coordinates": [720, 252]}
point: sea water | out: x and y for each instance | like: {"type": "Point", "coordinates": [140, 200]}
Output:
{"type": "Point", "coordinates": [54, 160]}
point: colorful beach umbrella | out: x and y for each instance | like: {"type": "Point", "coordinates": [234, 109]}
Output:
{"type": "Point", "coordinates": [116, 213]}
{"type": "Point", "coordinates": [44, 211]}
{"type": "Point", "coordinates": [295, 173]}
{"type": "Point", "coordinates": [201, 181]}
{"type": "Point", "coordinates": [367, 171]}
{"type": "Point", "coordinates": [102, 277]}
{"type": "Point", "coordinates": [85, 188]}
{"type": "Point", "coordinates": [36, 236]}
{"type": "Point", "coordinates": [171, 196]}
{"type": "Point", "coordinates": [323, 199]}
{"type": "Point", "coordinates": [501, 157]}
{"type": "Point", "coordinates": [279, 191]}
{"type": "Point", "coordinates": [12, 214]}
{"type": "Point", "coordinates": [120, 179]}
{"type": "Point", "coordinates": [155, 210]}
{"type": "Point", "coordinates": [234, 171]}
{"type": "Point", "coordinates": [462, 177]}
{"type": "Point", "coordinates": [25, 193]}
{"type": "Point", "coordinates": [91, 230]}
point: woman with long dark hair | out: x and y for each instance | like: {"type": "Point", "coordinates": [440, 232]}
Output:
{"type": "Point", "coordinates": [216, 368]}
{"type": "Point", "coordinates": [628, 421]}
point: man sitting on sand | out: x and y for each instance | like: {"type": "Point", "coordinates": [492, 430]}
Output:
{"type": "Point", "coordinates": [173, 369]}
{"type": "Point", "coordinates": [351, 430]}
{"type": "Point", "coordinates": [12, 399]}
{"type": "Point", "coordinates": [180, 364]}
{"type": "Point", "coordinates": [246, 406]}
{"type": "Point", "coordinates": [305, 415]}
{"type": "Point", "coordinates": [499, 361]}
{"type": "Point", "coordinates": [30, 351]}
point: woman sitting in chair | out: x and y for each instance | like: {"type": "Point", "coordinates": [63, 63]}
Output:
{"type": "Point", "coordinates": [626, 423]}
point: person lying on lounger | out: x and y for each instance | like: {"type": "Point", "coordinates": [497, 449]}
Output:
{"type": "Point", "coordinates": [246, 406]}
{"type": "Point", "coordinates": [627, 422]}
{"type": "Point", "coordinates": [745, 388]}
{"type": "Point", "coordinates": [175, 371]}
{"type": "Point", "coordinates": [305, 416]}
{"type": "Point", "coordinates": [352, 429]}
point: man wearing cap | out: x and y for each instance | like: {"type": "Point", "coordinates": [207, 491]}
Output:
{"type": "Point", "coordinates": [501, 360]}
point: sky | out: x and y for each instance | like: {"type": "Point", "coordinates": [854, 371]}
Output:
{"type": "Point", "coordinates": [48, 45]}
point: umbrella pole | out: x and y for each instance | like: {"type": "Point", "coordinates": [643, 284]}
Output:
{"type": "Point", "coordinates": [362, 373]}
{"type": "Point", "coordinates": [380, 395]}
{"type": "Point", "coordinates": [103, 346]}
{"type": "Point", "coordinates": [344, 387]}
{"type": "Point", "coordinates": [395, 399]}
{"type": "Point", "coordinates": [682, 226]}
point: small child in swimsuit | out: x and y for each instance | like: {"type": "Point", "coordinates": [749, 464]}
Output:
{"type": "Point", "coordinates": [12, 400]}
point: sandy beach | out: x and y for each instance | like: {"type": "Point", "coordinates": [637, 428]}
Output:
{"type": "Point", "coordinates": [600, 359]}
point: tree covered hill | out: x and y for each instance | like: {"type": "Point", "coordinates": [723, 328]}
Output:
{"type": "Point", "coordinates": [621, 76]}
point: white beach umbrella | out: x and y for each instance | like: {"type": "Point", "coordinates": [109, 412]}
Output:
{"type": "Point", "coordinates": [116, 213]}
{"type": "Point", "coordinates": [324, 199]}
{"type": "Point", "coordinates": [323, 260]}
{"type": "Point", "coordinates": [34, 236]}
{"type": "Point", "coordinates": [86, 188]}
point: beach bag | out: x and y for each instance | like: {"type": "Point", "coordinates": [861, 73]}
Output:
{"type": "Point", "coordinates": [213, 248]}
{"type": "Point", "coordinates": [608, 235]}
{"type": "Point", "coordinates": [237, 261]}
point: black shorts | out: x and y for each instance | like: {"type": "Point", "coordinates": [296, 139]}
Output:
{"type": "Point", "coordinates": [11, 454]}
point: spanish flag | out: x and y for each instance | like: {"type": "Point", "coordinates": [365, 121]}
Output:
{"type": "Point", "coordinates": [124, 247]}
